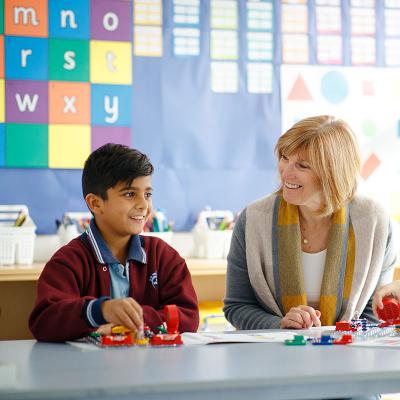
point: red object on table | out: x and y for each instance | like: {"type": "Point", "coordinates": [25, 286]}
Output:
{"type": "Point", "coordinates": [171, 315]}
{"type": "Point", "coordinates": [390, 311]}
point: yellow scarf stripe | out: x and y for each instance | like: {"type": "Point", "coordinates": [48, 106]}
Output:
{"type": "Point", "coordinates": [350, 261]}
{"type": "Point", "coordinates": [288, 214]}
{"type": "Point", "coordinates": [328, 310]}
{"type": "Point", "coordinates": [293, 301]}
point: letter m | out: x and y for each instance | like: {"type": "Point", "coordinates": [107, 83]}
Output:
{"type": "Point", "coordinates": [26, 13]}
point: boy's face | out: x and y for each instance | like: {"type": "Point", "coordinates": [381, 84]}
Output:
{"type": "Point", "coordinates": [126, 209]}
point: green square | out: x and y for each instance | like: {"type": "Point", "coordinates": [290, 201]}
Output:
{"type": "Point", "coordinates": [26, 145]}
{"type": "Point", "coordinates": [1, 17]}
{"type": "Point", "coordinates": [69, 60]}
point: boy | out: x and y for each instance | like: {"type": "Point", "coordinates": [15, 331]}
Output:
{"type": "Point", "coordinates": [110, 274]}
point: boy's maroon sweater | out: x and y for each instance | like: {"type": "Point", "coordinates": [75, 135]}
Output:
{"type": "Point", "coordinates": [73, 276]}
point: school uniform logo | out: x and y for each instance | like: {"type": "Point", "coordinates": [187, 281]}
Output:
{"type": "Point", "coordinates": [154, 279]}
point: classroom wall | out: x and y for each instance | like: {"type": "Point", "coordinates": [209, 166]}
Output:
{"type": "Point", "coordinates": [203, 87]}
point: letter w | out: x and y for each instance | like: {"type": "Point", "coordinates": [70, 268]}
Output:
{"type": "Point", "coordinates": [26, 102]}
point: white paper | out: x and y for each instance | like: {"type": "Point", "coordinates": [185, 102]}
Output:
{"type": "Point", "coordinates": [216, 337]}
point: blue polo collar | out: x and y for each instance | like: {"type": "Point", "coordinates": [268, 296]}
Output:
{"type": "Point", "coordinates": [103, 254]}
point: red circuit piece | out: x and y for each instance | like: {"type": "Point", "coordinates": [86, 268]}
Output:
{"type": "Point", "coordinates": [391, 310]}
{"type": "Point", "coordinates": [345, 339]}
{"type": "Point", "coordinates": [345, 326]}
{"type": "Point", "coordinates": [117, 340]}
{"type": "Point", "coordinates": [166, 339]}
{"type": "Point", "coordinates": [171, 315]}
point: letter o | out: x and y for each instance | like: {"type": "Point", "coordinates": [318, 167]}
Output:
{"type": "Point", "coordinates": [110, 21]}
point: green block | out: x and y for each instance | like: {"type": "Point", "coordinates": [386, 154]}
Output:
{"type": "Point", "coordinates": [26, 145]}
{"type": "Point", "coordinates": [298, 340]}
{"type": "Point", "coordinates": [69, 60]}
{"type": "Point", "coordinates": [1, 17]}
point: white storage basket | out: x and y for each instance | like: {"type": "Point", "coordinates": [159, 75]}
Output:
{"type": "Point", "coordinates": [16, 242]}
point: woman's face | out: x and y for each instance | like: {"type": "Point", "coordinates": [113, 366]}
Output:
{"type": "Point", "coordinates": [299, 182]}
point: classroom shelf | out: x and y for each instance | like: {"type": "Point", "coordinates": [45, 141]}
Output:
{"type": "Point", "coordinates": [197, 267]}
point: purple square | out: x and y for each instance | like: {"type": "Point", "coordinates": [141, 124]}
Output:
{"type": "Point", "coordinates": [113, 134]}
{"type": "Point", "coordinates": [26, 101]}
{"type": "Point", "coordinates": [111, 20]}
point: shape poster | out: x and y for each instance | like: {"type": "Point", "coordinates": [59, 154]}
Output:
{"type": "Point", "coordinates": [353, 94]}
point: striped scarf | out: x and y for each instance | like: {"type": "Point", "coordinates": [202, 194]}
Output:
{"type": "Point", "coordinates": [288, 273]}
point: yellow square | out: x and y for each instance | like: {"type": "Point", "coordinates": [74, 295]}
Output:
{"type": "Point", "coordinates": [110, 62]}
{"type": "Point", "coordinates": [69, 145]}
{"type": "Point", "coordinates": [2, 104]}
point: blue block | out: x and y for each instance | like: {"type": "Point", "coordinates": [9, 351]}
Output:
{"type": "Point", "coordinates": [105, 98]}
{"type": "Point", "coordinates": [69, 19]}
{"type": "Point", "coordinates": [325, 340]}
{"type": "Point", "coordinates": [26, 58]}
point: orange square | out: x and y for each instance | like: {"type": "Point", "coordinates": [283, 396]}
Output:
{"type": "Point", "coordinates": [1, 56]}
{"type": "Point", "coordinates": [69, 102]}
{"type": "Point", "coordinates": [26, 18]}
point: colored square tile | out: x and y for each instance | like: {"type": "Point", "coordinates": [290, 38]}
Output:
{"type": "Point", "coordinates": [1, 17]}
{"type": "Point", "coordinates": [26, 18]}
{"type": "Point", "coordinates": [26, 58]}
{"type": "Point", "coordinates": [26, 101]}
{"type": "Point", "coordinates": [69, 103]}
{"type": "Point", "coordinates": [1, 56]}
{"type": "Point", "coordinates": [107, 134]}
{"type": "Point", "coordinates": [69, 145]}
{"type": "Point", "coordinates": [69, 19]}
{"type": "Point", "coordinates": [2, 146]}
{"type": "Point", "coordinates": [111, 20]}
{"type": "Point", "coordinates": [110, 62]}
{"type": "Point", "coordinates": [26, 146]}
{"type": "Point", "coordinates": [2, 100]}
{"type": "Point", "coordinates": [111, 105]}
{"type": "Point", "coordinates": [69, 60]}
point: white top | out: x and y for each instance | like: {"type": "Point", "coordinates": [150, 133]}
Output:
{"type": "Point", "coordinates": [313, 271]}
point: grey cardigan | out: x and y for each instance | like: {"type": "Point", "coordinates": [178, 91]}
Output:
{"type": "Point", "coordinates": [250, 303]}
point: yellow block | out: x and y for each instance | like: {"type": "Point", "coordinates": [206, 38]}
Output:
{"type": "Point", "coordinates": [110, 62]}
{"type": "Point", "coordinates": [212, 308]}
{"type": "Point", "coordinates": [69, 145]}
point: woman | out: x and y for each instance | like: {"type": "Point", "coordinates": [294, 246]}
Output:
{"type": "Point", "coordinates": [312, 253]}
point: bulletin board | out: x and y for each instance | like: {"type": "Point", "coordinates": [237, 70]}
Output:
{"type": "Point", "coordinates": [202, 87]}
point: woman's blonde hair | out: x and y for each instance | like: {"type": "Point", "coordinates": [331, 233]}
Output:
{"type": "Point", "coordinates": [329, 145]}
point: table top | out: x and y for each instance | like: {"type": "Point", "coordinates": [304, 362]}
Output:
{"type": "Point", "coordinates": [223, 371]}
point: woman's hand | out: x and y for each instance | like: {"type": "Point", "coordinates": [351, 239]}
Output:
{"type": "Point", "coordinates": [301, 317]}
{"type": "Point", "coordinates": [392, 289]}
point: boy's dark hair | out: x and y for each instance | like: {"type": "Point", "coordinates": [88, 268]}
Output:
{"type": "Point", "coordinates": [110, 164]}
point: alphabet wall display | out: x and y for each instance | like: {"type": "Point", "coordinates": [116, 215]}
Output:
{"type": "Point", "coordinates": [68, 69]}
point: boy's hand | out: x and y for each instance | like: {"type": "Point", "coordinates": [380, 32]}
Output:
{"type": "Point", "coordinates": [104, 329]}
{"type": "Point", "coordinates": [301, 317]}
{"type": "Point", "coordinates": [125, 312]}
{"type": "Point", "coordinates": [392, 289]}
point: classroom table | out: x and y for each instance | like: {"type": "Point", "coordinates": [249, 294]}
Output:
{"type": "Point", "coordinates": [218, 371]}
